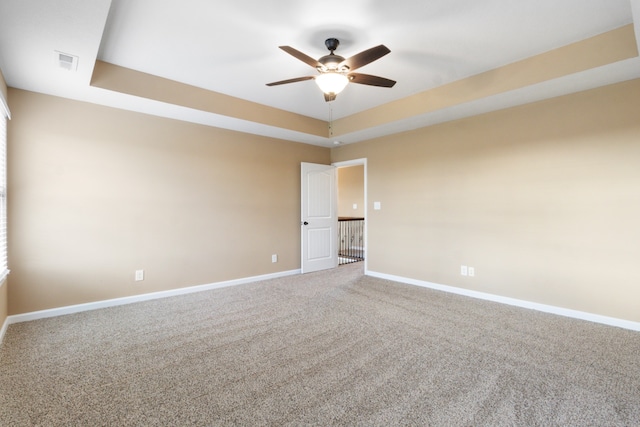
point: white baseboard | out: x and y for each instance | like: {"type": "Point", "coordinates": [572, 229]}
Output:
{"type": "Point", "coordinates": [611, 321]}
{"type": "Point", "coordinates": [42, 314]}
{"type": "Point", "coordinates": [3, 330]}
{"type": "Point", "coordinates": [25, 317]}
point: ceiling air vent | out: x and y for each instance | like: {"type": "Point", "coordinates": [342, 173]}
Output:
{"type": "Point", "coordinates": [66, 61]}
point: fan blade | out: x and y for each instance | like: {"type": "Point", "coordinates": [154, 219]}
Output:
{"type": "Point", "coordinates": [297, 79]}
{"type": "Point", "coordinates": [365, 57]}
{"type": "Point", "coordinates": [301, 56]}
{"type": "Point", "coordinates": [329, 97]}
{"type": "Point", "coordinates": [367, 79]}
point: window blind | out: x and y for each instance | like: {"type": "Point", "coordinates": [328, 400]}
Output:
{"type": "Point", "coordinates": [4, 270]}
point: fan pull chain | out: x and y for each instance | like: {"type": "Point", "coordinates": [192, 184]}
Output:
{"type": "Point", "coordinates": [330, 121]}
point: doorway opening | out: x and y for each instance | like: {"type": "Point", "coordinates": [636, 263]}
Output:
{"type": "Point", "coordinates": [352, 206]}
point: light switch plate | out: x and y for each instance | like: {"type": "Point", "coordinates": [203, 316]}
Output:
{"type": "Point", "coordinates": [377, 206]}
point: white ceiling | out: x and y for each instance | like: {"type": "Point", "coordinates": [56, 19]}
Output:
{"type": "Point", "coordinates": [231, 47]}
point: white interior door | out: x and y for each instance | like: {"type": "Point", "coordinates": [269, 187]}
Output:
{"type": "Point", "coordinates": [319, 220]}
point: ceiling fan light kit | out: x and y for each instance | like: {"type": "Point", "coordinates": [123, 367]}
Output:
{"type": "Point", "coordinates": [332, 82]}
{"type": "Point", "coordinates": [336, 71]}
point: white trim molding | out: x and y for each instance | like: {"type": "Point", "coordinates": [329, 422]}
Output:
{"type": "Point", "coordinates": [4, 107]}
{"type": "Point", "coordinates": [596, 318]}
{"type": "Point", "coordinates": [3, 330]}
{"type": "Point", "coordinates": [635, 12]}
{"type": "Point", "coordinates": [43, 314]}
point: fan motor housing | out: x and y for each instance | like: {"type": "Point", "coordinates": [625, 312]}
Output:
{"type": "Point", "coordinates": [331, 62]}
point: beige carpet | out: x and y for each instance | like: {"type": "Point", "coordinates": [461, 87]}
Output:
{"type": "Point", "coordinates": [329, 348]}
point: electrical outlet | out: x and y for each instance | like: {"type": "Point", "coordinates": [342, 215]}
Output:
{"type": "Point", "coordinates": [472, 271]}
{"type": "Point", "coordinates": [139, 275]}
{"type": "Point", "coordinates": [464, 270]}
{"type": "Point", "coordinates": [355, 206]}
{"type": "Point", "coordinates": [274, 258]}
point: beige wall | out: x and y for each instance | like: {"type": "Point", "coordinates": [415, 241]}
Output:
{"type": "Point", "coordinates": [543, 200]}
{"type": "Point", "coordinates": [96, 193]}
{"type": "Point", "coordinates": [350, 191]}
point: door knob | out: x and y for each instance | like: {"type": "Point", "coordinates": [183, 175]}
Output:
{"type": "Point", "coordinates": [305, 223]}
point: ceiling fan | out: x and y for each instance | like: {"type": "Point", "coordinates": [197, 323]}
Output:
{"type": "Point", "coordinates": [336, 72]}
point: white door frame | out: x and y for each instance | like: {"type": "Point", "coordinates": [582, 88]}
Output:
{"type": "Point", "coordinates": [359, 162]}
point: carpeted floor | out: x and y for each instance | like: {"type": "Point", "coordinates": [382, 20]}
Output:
{"type": "Point", "coordinates": [328, 348]}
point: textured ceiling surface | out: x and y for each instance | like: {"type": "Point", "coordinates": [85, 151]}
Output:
{"type": "Point", "coordinates": [232, 48]}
